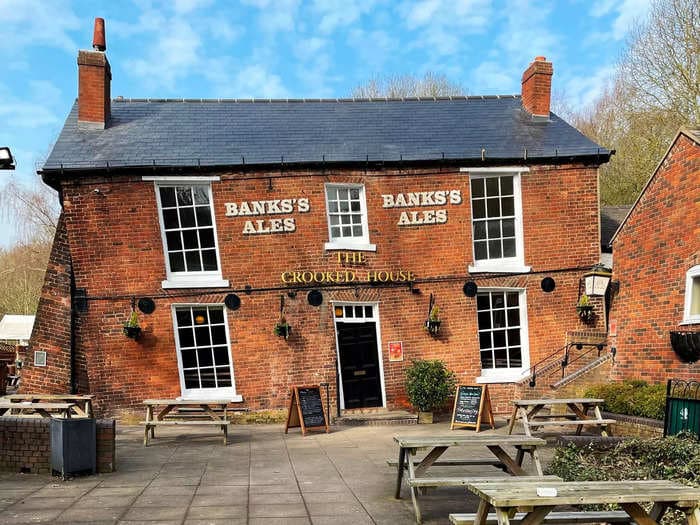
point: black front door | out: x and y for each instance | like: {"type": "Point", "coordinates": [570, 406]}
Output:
{"type": "Point", "coordinates": [359, 364]}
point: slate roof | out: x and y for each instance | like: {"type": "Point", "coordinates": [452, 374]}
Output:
{"type": "Point", "coordinates": [181, 133]}
{"type": "Point", "coordinates": [610, 219]}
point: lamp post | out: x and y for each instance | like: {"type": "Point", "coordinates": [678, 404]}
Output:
{"type": "Point", "coordinates": [596, 280]}
{"type": "Point", "coordinates": [7, 162]}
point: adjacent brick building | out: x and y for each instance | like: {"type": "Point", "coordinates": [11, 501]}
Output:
{"type": "Point", "coordinates": [229, 214]}
{"type": "Point", "coordinates": [657, 262]}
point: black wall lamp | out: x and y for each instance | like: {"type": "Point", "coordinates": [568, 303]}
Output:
{"type": "Point", "coordinates": [470, 289]}
{"type": "Point", "coordinates": [7, 162]}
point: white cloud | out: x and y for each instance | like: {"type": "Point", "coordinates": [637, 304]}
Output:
{"type": "Point", "coordinates": [442, 26]}
{"type": "Point", "coordinates": [309, 48]}
{"type": "Point", "coordinates": [490, 77]}
{"type": "Point", "coordinates": [31, 110]}
{"type": "Point", "coordinates": [582, 90]}
{"type": "Point", "coordinates": [276, 15]}
{"type": "Point", "coordinates": [256, 81]}
{"type": "Point", "coordinates": [186, 6]}
{"type": "Point", "coordinates": [623, 12]}
{"type": "Point", "coordinates": [337, 14]}
{"type": "Point", "coordinates": [32, 23]}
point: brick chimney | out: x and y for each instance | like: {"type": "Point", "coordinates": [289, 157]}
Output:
{"type": "Point", "coordinates": [537, 87]}
{"type": "Point", "coordinates": [94, 77]}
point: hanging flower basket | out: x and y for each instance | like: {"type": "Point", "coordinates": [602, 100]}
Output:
{"type": "Point", "coordinates": [686, 345]}
{"type": "Point", "coordinates": [282, 329]}
{"type": "Point", "coordinates": [131, 328]}
{"type": "Point", "coordinates": [433, 326]}
{"type": "Point", "coordinates": [585, 313]}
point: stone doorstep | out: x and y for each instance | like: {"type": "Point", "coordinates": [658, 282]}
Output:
{"type": "Point", "coordinates": [375, 416]}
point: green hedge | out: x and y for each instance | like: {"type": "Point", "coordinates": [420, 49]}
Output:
{"type": "Point", "coordinates": [676, 458]}
{"type": "Point", "coordinates": [633, 397]}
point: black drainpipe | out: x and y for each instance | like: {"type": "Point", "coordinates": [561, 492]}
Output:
{"type": "Point", "coordinates": [73, 386]}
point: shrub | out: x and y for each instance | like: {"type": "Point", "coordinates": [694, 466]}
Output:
{"type": "Point", "coordinates": [429, 384]}
{"type": "Point", "coordinates": [632, 397]}
{"type": "Point", "coordinates": [675, 458]}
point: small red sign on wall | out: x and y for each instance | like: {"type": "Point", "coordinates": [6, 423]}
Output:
{"type": "Point", "coordinates": [612, 327]}
{"type": "Point", "coordinates": [396, 351]}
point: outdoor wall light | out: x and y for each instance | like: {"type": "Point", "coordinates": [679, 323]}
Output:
{"type": "Point", "coordinates": [7, 162]}
{"type": "Point", "coordinates": [596, 280]}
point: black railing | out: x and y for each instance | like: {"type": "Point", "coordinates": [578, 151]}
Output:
{"type": "Point", "coordinates": [565, 360]}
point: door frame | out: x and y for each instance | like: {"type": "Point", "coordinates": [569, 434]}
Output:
{"type": "Point", "coordinates": [377, 328]}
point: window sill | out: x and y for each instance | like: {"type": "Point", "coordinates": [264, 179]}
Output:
{"type": "Point", "coordinates": [221, 397]}
{"type": "Point", "coordinates": [505, 377]}
{"type": "Point", "coordinates": [194, 282]}
{"type": "Point", "coordinates": [356, 247]}
{"type": "Point", "coordinates": [496, 267]}
{"type": "Point", "coordinates": [686, 322]}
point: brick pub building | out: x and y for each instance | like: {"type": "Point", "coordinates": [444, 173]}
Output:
{"type": "Point", "coordinates": [657, 261]}
{"type": "Point", "coordinates": [225, 212]}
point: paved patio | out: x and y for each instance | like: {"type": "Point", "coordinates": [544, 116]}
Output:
{"type": "Point", "coordinates": [186, 476]}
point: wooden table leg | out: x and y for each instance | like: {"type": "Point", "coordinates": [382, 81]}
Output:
{"type": "Point", "coordinates": [502, 516]}
{"type": "Point", "coordinates": [638, 514]}
{"type": "Point", "coordinates": [513, 468]}
{"type": "Point", "coordinates": [692, 516]}
{"type": "Point", "coordinates": [225, 429]}
{"type": "Point", "coordinates": [525, 419]}
{"type": "Point", "coordinates": [399, 473]}
{"type": "Point", "coordinates": [412, 490]}
{"type": "Point", "coordinates": [482, 513]}
{"type": "Point", "coordinates": [512, 419]}
{"type": "Point", "coordinates": [537, 516]}
{"type": "Point", "coordinates": [428, 460]}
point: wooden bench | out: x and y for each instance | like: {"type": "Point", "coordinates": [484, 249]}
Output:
{"type": "Point", "coordinates": [563, 412]}
{"type": "Point", "coordinates": [554, 518]}
{"type": "Point", "coordinates": [460, 481]}
{"type": "Point", "coordinates": [457, 462]}
{"type": "Point", "coordinates": [595, 422]}
{"type": "Point", "coordinates": [194, 411]}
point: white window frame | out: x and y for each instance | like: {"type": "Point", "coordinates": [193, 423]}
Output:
{"type": "Point", "coordinates": [363, 319]}
{"type": "Point", "coordinates": [509, 375]}
{"type": "Point", "coordinates": [208, 393]}
{"type": "Point", "coordinates": [504, 264]}
{"type": "Point", "coordinates": [690, 276]}
{"type": "Point", "coordinates": [202, 279]}
{"type": "Point", "coordinates": [349, 243]}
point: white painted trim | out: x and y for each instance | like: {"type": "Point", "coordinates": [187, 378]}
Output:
{"type": "Point", "coordinates": [209, 393]}
{"type": "Point", "coordinates": [195, 281]}
{"type": "Point", "coordinates": [499, 169]}
{"type": "Point", "coordinates": [181, 178]}
{"type": "Point", "coordinates": [498, 268]}
{"type": "Point", "coordinates": [692, 274]}
{"type": "Point", "coordinates": [203, 279]}
{"type": "Point", "coordinates": [506, 264]}
{"type": "Point", "coordinates": [360, 247]}
{"type": "Point", "coordinates": [349, 243]}
{"type": "Point", "coordinates": [375, 320]}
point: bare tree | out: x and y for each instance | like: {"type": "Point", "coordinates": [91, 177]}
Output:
{"type": "Point", "coordinates": [401, 86]}
{"type": "Point", "coordinates": [33, 214]}
{"type": "Point", "coordinates": [656, 90]}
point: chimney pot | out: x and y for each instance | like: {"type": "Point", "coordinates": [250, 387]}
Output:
{"type": "Point", "coordinates": [537, 87]}
{"type": "Point", "coordinates": [99, 42]}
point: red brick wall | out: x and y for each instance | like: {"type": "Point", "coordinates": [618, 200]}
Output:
{"type": "Point", "coordinates": [26, 445]}
{"type": "Point", "coordinates": [117, 253]}
{"type": "Point", "coordinates": [658, 244]}
{"type": "Point", "coordinates": [94, 77]}
{"type": "Point", "coordinates": [51, 332]}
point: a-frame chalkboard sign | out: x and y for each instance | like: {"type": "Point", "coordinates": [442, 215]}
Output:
{"type": "Point", "coordinates": [306, 409]}
{"type": "Point", "coordinates": [472, 402]}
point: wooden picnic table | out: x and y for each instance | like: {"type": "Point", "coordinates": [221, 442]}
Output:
{"type": "Point", "coordinates": [206, 414]}
{"type": "Point", "coordinates": [44, 409]}
{"type": "Point", "coordinates": [83, 402]}
{"type": "Point", "coordinates": [513, 494]}
{"type": "Point", "coordinates": [576, 412]}
{"type": "Point", "coordinates": [409, 445]}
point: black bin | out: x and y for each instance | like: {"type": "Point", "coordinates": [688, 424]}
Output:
{"type": "Point", "coordinates": [73, 446]}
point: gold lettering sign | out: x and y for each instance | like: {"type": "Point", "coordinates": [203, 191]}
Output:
{"type": "Point", "coordinates": [347, 276]}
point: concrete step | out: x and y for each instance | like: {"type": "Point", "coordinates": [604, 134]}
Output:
{"type": "Point", "coordinates": [375, 417]}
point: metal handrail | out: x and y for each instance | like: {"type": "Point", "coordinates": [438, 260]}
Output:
{"type": "Point", "coordinates": [565, 359]}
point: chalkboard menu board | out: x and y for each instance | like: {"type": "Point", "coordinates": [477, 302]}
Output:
{"type": "Point", "coordinates": [471, 403]}
{"type": "Point", "coordinates": [306, 409]}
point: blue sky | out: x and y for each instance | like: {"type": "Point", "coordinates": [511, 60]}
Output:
{"type": "Point", "coordinates": [289, 49]}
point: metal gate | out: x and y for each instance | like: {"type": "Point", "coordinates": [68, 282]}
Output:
{"type": "Point", "coordinates": [682, 407]}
